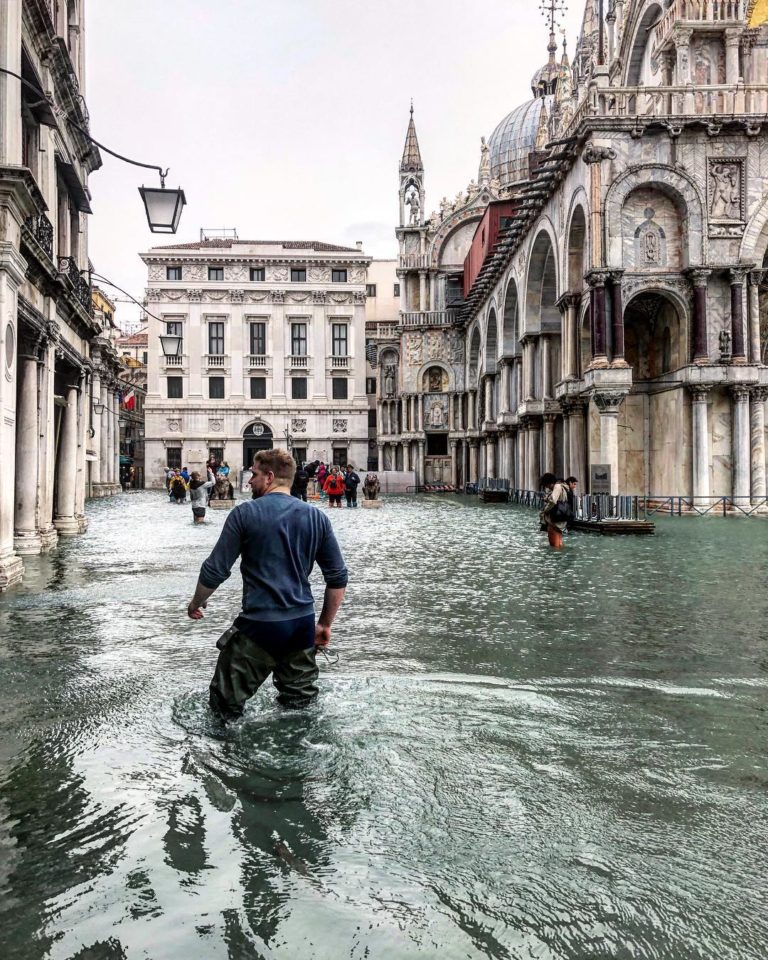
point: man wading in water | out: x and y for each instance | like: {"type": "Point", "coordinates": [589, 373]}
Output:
{"type": "Point", "coordinates": [278, 539]}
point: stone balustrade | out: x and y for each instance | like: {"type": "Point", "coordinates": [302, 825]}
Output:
{"type": "Point", "coordinates": [428, 318]}
{"type": "Point", "coordinates": [681, 11]}
{"type": "Point", "coordinates": [414, 261]}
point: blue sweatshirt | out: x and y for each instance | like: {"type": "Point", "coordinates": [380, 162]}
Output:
{"type": "Point", "coordinates": [279, 539]}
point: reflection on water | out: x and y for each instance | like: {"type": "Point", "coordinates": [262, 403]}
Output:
{"type": "Point", "coordinates": [521, 753]}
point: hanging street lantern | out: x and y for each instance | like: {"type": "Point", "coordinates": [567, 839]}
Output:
{"type": "Point", "coordinates": [171, 345]}
{"type": "Point", "coordinates": [163, 207]}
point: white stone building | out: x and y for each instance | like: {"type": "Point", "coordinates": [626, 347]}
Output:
{"type": "Point", "coordinates": [55, 365]}
{"type": "Point", "coordinates": [273, 353]}
{"type": "Point", "coordinates": [598, 296]}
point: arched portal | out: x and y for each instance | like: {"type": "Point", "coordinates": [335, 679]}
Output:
{"type": "Point", "coordinates": [474, 358]}
{"type": "Point", "coordinates": [256, 436]}
{"type": "Point", "coordinates": [491, 342]}
{"type": "Point", "coordinates": [643, 67]}
{"type": "Point", "coordinates": [577, 236]}
{"type": "Point", "coordinates": [541, 294]}
{"type": "Point", "coordinates": [511, 333]}
{"type": "Point", "coordinates": [654, 458]}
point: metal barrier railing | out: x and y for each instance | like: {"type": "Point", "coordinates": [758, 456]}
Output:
{"type": "Point", "coordinates": [677, 506]}
{"type": "Point", "coordinates": [493, 483]}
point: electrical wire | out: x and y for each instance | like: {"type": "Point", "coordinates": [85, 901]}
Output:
{"type": "Point", "coordinates": [109, 283]}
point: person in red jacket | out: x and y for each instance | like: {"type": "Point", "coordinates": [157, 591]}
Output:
{"type": "Point", "coordinates": [320, 476]}
{"type": "Point", "coordinates": [334, 487]}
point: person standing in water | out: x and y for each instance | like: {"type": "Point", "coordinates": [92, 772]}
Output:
{"type": "Point", "coordinates": [199, 492]}
{"type": "Point", "coordinates": [556, 512]}
{"type": "Point", "coordinates": [278, 539]}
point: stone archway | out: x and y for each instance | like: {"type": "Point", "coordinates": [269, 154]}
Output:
{"type": "Point", "coordinates": [257, 435]}
{"type": "Point", "coordinates": [654, 439]}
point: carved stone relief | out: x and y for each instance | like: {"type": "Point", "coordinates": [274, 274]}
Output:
{"type": "Point", "coordinates": [174, 424]}
{"type": "Point", "coordinates": [280, 274]}
{"type": "Point", "coordinates": [299, 425]}
{"type": "Point", "coordinates": [436, 412]}
{"type": "Point", "coordinates": [193, 271]}
{"type": "Point", "coordinates": [340, 426]}
{"type": "Point", "coordinates": [156, 272]}
{"type": "Point", "coordinates": [215, 425]}
{"type": "Point", "coordinates": [357, 275]}
{"type": "Point", "coordinates": [413, 349]}
{"type": "Point", "coordinates": [319, 274]}
{"type": "Point", "coordinates": [238, 273]}
{"type": "Point", "coordinates": [726, 188]}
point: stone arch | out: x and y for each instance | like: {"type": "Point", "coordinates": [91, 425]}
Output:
{"type": "Point", "coordinates": [252, 443]}
{"type": "Point", "coordinates": [426, 367]}
{"type": "Point", "coordinates": [676, 185]}
{"type": "Point", "coordinates": [491, 351]}
{"type": "Point", "coordinates": [510, 337]}
{"type": "Point", "coordinates": [577, 247]}
{"type": "Point", "coordinates": [541, 312]}
{"type": "Point", "coordinates": [652, 231]}
{"type": "Point", "coordinates": [639, 54]}
{"type": "Point", "coordinates": [475, 346]}
{"type": "Point", "coordinates": [754, 243]}
{"type": "Point", "coordinates": [655, 333]}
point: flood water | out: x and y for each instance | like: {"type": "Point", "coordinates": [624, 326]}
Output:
{"type": "Point", "coordinates": [520, 754]}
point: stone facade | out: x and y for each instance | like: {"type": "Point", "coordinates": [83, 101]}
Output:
{"type": "Point", "coordinates": [619, 317]}
{"type": "Point", "coordinates": [55, 359]}
{"type": "Point", "coordinates": [273, 353]}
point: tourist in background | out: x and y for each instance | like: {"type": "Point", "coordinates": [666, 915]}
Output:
{"type": "Point", "coordinates": [300, 484]}
{"type": "Point", "coordinates": [199, 493]}
{"type": "Point", "coordinates": [322, 473]}
{"type": "Point", "coordinates": [556, 512]}
{"type": "Point", "coordinates": [334, 487]}
{"type": "Point", "coordinates": [178, 488]}
{"type": "Point", "coordinates": [570, 483]}
{"type": "Point", "coordinates": [351, 483]}
{"type": "Point", "coordinates": [185, 474]}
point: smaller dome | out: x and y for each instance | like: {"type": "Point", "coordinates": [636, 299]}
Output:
{"type": "Point", "coordinates": [514, 139]}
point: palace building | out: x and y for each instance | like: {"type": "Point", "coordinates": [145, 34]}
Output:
{"type": "Point", "coordinates": [268, 350]}
{"type": "Point", "coordinates": [598, 297]}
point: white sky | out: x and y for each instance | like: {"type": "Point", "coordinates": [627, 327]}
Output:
{"type": "Point", "coordinates": [286, 118]}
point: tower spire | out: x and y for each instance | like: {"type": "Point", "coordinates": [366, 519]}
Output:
{"type": "Point", "coordinates": [411, 161]}
{"type": "Point", "coordinates": [553, 11]}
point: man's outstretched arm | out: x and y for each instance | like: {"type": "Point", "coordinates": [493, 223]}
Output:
{"type": "Point", "coordinates": [217, 568]}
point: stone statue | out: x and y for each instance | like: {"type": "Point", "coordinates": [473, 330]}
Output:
{"type": "Point", "coordinates": [485, 162]}
{"type": "Point", "coordinates": [436, 414]}
{"type": "Point", "coordinates": [371, 487]}
{"type": "Point", "coordinates": [389, 380]}
{"type": "Point", "coordinates": [435, 380]}
{"type": "Point", "coordinates": [222, 489]}
{"type": "Point", "coordinates": [726, 191]}
{"type": "Point", "coordinates": [412, 201]}
{"type": "Point", "coordinates": [725, 344]}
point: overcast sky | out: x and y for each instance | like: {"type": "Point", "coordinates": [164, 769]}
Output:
{"type": "Point", "coordinates": [286, 119]}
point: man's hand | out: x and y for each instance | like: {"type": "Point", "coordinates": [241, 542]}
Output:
{"type": "Point", "coordinates": [195, 612]}
{"type": "Point", "coordinates": [322, 635]}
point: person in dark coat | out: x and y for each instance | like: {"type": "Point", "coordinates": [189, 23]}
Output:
{"type": "Point", "coordinates": [300, 484]}
{"type": "Point", "coordinates": [351, 483]}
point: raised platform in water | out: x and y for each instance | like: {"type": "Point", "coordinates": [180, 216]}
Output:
{"type": "Point", "coordinates": [494, 496]}
{"type": "Point", "coordinates": [614, 528]}
{"type": "Point", "coordinates": [222, 504]}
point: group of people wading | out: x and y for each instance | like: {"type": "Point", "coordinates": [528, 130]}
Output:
{"type": "Point", "coordinates": [317, 479]}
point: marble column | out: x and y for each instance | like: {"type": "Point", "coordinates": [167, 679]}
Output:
{"type": "Point", "coordinates": [381, 456]}
{"type": "Point", "coordinates": [490, 454]}
{"type": "Point", "coordinates": [740, 451]}
{"type": "Point", "coordinates": [565, 336]}
{"type": "Point", "coordinates": [470, 410]}
{"type": "Point", "coordinates": [534, 454]}
{"type": "Point", "coordinates": [27, 483]}
{"type": "Point", "coordinates": [682, 38]}
{"type": "Point", "coordinates": [47, 447]}
{"type": "Point", "coordinates": [546, 372]}
{"type": "Point", "coordinates": [617, 320]}
{"type": "Point", "coordinates": [95, 397]}
{"type": "Point", "coordinates": [701, 447]}
{"type": "Point", "coordinates": [509, 457]}
{"type": "Point", "coordinates": [422, 290]}
{"type": "Point", "coordinates": [757, 430]}
{"type": "Point", "coordinates": [549, 442]}
{"type": "Point", "coordinates": [578, 442]}
{"type": "Point", "coordinates": [754, 316]}
{"type": "Point", "coordinates": [597, 280]}
{"type": "Point", "coordinates": [473, 458]}
{"type": "Point", "coordinates": [566, 408]}
{"type": "Point", "coordinates": [505, 380]}
{"type": "Point", "coordinates": [732, 40]}
{"type": "Point", "coordinates": [521, 461]}
{"type": "Point", "coordinates": [66, 469]}
{"type": "Point", "coordinates": [104, 447]}
{"type": "Point", "coordinates": [531, 380]}
{"type": "Point", "coordinates": [489, 412]}
{"type": "Point", "coordinates": [421, 479]}
{"type": "Point", "coordinates": [454, 463]}
{"type": "Point", "coordinates": [699, 279]}
{"type": "Point", "coordinates": [738, 345]}
{"type": "Point", "coordinates": [608, 405]}
{"type": "Point", "coordinates": [83, 403]}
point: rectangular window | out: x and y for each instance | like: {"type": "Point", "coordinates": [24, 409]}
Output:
{"type": "Point", "coordinates": [371, 418]}
{"type": "Point", "coordinates": [396, 290]}
{"type": "Point", "coordinates": [370, 386]}
{"type": "Point", "coordinates": [173, 458]}
{"type": "Point", "coordinates": [173, 273]}
{"type": "Point", "coordinates": [370, 289]}
{"type": "Point", "coordinates": [340, 388]}
{"type": "Point", "coordinates": [339, 276]}
{"type": "Point", "coordinates": [298, 339]}
{"type": "Point", "coordinates": [144, 358]}
{"type": "Point", "coordinates": [298, 388]}
{"type": "Point", "coordinates": [215, 273]}
{"type": "Point", "coordinates": [340, 456]}
{"type": "Point", "coordinates": [216, 337]}
{"type": "Point", "coordinates": [216, 453]}
{"type": "Point", "coordinates": [339, 342]}
{"type": "Point", "coordinates": [437, 444]}
{"type": "Point", "coordinates": [173, 328]}
{"type": "Point", "coordinates": [175, 388]}
{"type": "Point", "coordinates": [258, 274]}
{"type": "Point", "coordinates": [259, 338]}
{"type": "Point", "coordinates": [299, 454]}
{"type": "Point", "coordinates": [258, 388]}
{"type": "Point", "coordinates": [216, 388]}
{"type": "Point", "coordinates": [298, 274]}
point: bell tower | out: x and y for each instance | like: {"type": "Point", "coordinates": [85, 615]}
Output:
{"type": "Point", "coordinates": [412, 195]}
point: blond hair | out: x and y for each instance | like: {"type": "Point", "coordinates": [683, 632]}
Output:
{"type": "Point", "coordinates": [279, 462]}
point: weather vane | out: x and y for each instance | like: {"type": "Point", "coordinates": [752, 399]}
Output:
{"type": "Point", "coordinates": [553, 11]}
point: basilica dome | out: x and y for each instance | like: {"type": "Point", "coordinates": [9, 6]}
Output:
{"type": "Point", "coordinates": [514, 139]}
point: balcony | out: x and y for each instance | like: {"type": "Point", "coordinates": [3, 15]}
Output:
{"type": "Point", "coordinates": [81, 289]}
{"type": "Point", "coordinates": [651, 103]}
{"type": "Point", "coordinates": [689, 11]}
{"type": "Point", "coordinates": [173, 361]}
{"type": "Point", "coordinates": [40, 228]}
{"type": "Point", "coordinates": [215, 360]}
{"type": "Point", "coordinates": [257, 361]}
{"type": "Point", "coordinates": [340, 363]}
{"type": "Point", "coordinates": [428, 318]}
{"type": "Point", "coordinates": [298, 361]}
{"type": "Point", "coordinates": [414, 261]}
